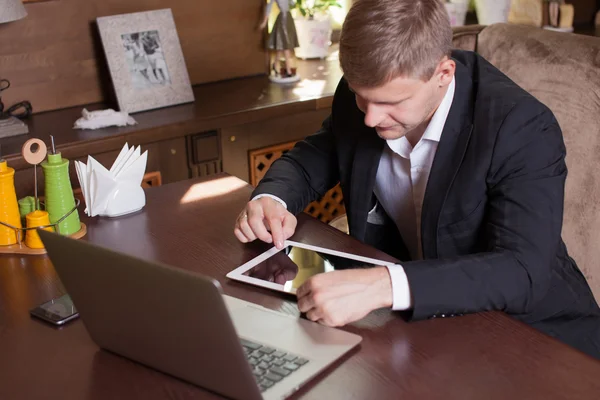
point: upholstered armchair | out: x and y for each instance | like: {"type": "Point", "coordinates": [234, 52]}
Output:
{"type": "Point", "coordinates": [563, 71]}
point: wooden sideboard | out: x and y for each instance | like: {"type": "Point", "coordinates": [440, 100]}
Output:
{"type": "Point", "coordinates": [214, 134]}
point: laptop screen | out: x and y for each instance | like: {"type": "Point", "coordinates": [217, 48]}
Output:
{"type": "Point", "coordinates": [292, 266]}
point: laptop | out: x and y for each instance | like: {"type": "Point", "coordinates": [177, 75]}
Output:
{"type": "Point", "coordinates": [181, 324]}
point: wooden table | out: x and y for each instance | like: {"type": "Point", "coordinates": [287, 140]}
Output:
{"type": "Point", "coordinates": [189, 225]}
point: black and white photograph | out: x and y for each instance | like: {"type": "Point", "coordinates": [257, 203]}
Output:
{"type": "Point", "coordinates": [146, 60]}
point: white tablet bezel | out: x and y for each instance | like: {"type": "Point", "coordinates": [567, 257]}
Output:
{"type": "Point", "coordinates": [238, 273]}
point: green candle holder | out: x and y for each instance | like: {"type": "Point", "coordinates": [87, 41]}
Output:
{"type": "Point", "coordinates": [59, 197]}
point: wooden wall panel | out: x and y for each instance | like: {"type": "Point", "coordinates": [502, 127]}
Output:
{"type": "Point", "coordinates": [54, 57]}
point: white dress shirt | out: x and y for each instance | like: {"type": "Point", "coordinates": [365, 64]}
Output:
{"type": "Point", "coordinates": [400, 188]}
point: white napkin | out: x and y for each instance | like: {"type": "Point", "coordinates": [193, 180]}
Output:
{"type": "Point", "coordinates": [102, 119]}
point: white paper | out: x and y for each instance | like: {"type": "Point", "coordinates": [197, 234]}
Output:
{"type": "Point", "coordinates": [122, 153]}
{"type": "Point", "coordinates": [118, 165]}
{"type": "Point", "coordinates": [132, 158]}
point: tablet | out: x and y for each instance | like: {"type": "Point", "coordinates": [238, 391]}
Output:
{"type": "Point", "coordinates": [287, 269]}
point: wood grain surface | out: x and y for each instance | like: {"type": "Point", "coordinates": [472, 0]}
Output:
{"type": "Point", "coordinates": [189, 225]}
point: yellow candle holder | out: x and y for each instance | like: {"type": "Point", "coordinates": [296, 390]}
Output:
{"type": "Point", "coordinates": [36, 219]}
{"type": "Point", "coordinates": [9, 208]}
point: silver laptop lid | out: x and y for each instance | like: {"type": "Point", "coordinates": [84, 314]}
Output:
{"type": "Point", "coordinates": [166, 318]}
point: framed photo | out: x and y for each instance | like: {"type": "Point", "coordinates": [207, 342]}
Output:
{"type": "Point", "coordinates": [145, 60]}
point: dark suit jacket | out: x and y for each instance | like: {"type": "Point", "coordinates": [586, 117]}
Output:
{"type": "Point", "coordinates": [492, 212]}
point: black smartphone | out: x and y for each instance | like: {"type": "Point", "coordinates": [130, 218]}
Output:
{"type": "Point", "coordinates": [56, 311]}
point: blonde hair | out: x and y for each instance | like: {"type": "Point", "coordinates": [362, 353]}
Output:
{"type": "Point", "coordinates": [384, 39]}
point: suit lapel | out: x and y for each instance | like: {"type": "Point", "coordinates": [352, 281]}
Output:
{"type": "Point", "coordinates": [364, 171]}
{"type": "Point", "coordinates": [448, 158]}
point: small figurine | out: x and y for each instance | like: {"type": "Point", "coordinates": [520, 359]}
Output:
{"type": "Point", "coordinates": [554, 10]}
{"type": "Point", "coordinates": [282, 41]}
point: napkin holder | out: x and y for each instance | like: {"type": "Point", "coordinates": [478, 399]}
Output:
{"type": "Point", "coordinates": [115, 192]}
{"type": "Point", "coordinates": [120, 196]}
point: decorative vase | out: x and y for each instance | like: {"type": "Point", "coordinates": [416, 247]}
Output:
{"type": "Point", "coordinates": [492, 11]}
{"type": "Point", "coordinates": [457, 11]}
{"type": "Point", "coordinates": [314, 37]}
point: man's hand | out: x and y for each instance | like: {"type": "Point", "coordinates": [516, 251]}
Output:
{"type": "Point", "coordinates": [340, 297]}
{"type": "Point", "coordinates": [265, 219]}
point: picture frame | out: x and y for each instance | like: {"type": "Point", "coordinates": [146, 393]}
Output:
{"type": "Point", "coordinates": [145, 60]}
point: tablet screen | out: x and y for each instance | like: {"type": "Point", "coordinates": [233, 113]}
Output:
{"type": "Point", "coordinates": [292, 266]}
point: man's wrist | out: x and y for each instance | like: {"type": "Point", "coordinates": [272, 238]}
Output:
{"type": "Point", "coordinates": [383, 294]}
{"type": "Point", "coordinates": [277, 199]}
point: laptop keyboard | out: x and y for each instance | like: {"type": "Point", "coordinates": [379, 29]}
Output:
{"type": "Point", "coordinates": [270, 365]}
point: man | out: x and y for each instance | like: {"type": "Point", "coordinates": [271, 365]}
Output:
{"type": "Point", "coordinates": [444, 163]}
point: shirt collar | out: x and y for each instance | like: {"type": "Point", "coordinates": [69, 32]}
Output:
{"type": "Point", "coordinates": [436, 125]}
{"type": "Point", "coordinates": [434, 129]}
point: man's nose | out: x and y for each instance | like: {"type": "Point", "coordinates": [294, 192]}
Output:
{"type": "Point", "coordinates": [372, 116]}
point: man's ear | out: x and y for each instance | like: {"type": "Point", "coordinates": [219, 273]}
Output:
{"type": "Point", "coordinates": [445, 71]}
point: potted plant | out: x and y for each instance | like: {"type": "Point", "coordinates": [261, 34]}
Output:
{"type": "Point", "coordinates": [457, 11]}
{"type": "Point", "coordinates": [313, 24]}
{"type": "Point", "coordinates": [492, 11]}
